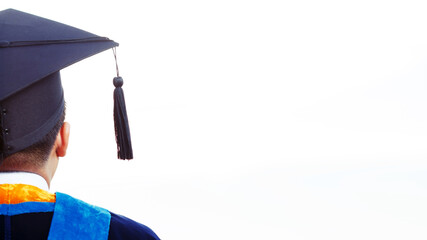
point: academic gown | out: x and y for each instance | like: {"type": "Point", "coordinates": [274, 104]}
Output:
{"type": "Point", "coordinates": [29, 212]}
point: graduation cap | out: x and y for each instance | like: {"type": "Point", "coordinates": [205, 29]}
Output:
{"type": "Point", "coordinates": [32, 52]}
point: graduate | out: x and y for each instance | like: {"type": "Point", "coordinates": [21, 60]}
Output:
{"type": "Point", "coordinates": [33, 134]}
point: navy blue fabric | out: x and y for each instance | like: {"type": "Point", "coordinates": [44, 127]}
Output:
{"type": "Point", "coordinates": [31, 113]}
{"type": "Point", "coordinates": [37, 225]}
{"type": "Point", "coordinates": [29, 226]}
{"type": "Point", "coordinates": [7, 228]}
{"type": "Point", "coordinates": [22, 66]}
{"type": "Point", "coordinates": [124, 228]}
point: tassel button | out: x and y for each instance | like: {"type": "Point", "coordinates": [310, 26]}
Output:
{"type": "Point", "coordinates": [118, 82]}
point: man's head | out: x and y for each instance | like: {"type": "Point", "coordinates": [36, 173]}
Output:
{"type": "Point", "coordinates": [32, 52]}
{"type": "Point", "coordinates": [38, 153]}
{"type": "Point", "coordinates": [30, 115]}
{"type": "Point", "coordinates": [42, 156]}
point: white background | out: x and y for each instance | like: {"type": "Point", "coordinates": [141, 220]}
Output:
{"type": "Point", "coordinates": [253, 119]}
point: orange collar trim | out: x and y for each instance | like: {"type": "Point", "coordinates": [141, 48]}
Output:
{"type": "Point", "coordinates": [19, 193]}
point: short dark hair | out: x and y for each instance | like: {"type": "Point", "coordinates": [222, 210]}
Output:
{"type": "Point", "coordinates": [38, 153]}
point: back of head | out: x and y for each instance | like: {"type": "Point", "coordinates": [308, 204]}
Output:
{"type": "Point", "coordinates": [32, 52]}
{"type": "Point", "coordinates": [37, 154]}
{"type": "Point", "coordinates": [31, 119]}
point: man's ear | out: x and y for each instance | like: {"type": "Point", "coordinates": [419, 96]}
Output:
{"type": "Point", "coordinates": [61, 141]}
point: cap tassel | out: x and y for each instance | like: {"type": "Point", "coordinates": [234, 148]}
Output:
{"type": "Point", "coordinates": [121, 125]}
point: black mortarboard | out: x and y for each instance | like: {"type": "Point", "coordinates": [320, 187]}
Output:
{"type": "Point", "coordinates": [32, 52]}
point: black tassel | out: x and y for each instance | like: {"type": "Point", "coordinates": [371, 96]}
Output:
{"type": "Point", "coordinates": [121, 125]}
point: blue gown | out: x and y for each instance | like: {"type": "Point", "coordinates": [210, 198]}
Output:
{"type": "Point", "coordinates": [27, 212]}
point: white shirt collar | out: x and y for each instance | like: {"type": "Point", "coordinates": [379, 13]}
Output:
{"type": "Point", "coordinates": [23, 178]}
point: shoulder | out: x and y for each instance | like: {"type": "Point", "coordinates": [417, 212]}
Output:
{"type": "Point", "coordinates": [100, 220]}
{"type": "Point", "coordinates": [124, 228]}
